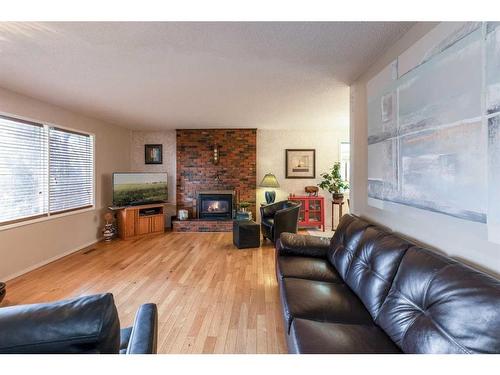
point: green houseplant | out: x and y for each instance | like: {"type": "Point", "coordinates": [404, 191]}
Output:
{"type": "Point", "coordinates": [333, 183]}
{"type": "Point", "coordinates": [244, 206]}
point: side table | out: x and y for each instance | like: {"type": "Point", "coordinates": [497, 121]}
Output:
{"type": "Point", "coordinates": [340, 204]}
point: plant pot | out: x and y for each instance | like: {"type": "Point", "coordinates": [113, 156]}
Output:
{"type": "Point", "coordinates": [338, 198]}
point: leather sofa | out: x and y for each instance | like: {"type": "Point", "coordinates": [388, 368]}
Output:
{"type": "Point", "coordinates": [371, 291]}
{"type": "Point", "coordinates": [82, 325]}
{"type": "Point", "coordinates": [279, 217]}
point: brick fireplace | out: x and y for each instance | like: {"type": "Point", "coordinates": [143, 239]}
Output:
{"type": "Point", "coordinates": [215, 204]}
{"type": "Point", "coordinates": [197, 173]}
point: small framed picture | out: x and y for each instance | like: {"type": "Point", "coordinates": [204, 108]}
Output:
{"type": "Point", "coordinates": [153, 154]}
{"type": "Point", "coordinates": [300, 163]}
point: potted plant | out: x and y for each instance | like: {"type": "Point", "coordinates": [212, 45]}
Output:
{"type": "Point", "coordinates": [244, 205]}
{"type": "Point", "coordinates": [334, 184]}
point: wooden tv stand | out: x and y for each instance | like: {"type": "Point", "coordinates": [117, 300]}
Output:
{"type": "Point", "coordinates": [140, 220]}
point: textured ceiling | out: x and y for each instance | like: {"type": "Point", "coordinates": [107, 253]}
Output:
{"type": "Point", "coordinates": [167, 75]}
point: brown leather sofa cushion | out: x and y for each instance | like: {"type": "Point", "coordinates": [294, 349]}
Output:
{"type": "Point", "coordinates": [306, 268]}
{"type": "Point", "coordinates": [310, 337]}
{"type": "Point", "coordinates": [302, 245]}
{"type": "Point", "coordinates": [345, 242]}
{"type": "Point", "coordinates": [373, 267]}
{"type": "Point", "coordinates": [437, 305]}
{"type": "Point", "coordinates": [321, 301]}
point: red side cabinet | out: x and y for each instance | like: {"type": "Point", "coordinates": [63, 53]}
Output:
{"type": "Point", "coordinates": [312, 211]}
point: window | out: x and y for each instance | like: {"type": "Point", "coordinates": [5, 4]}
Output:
{"type": "Point", "coordinates": [71, 170]}
{"type": "Point", "coordinates": [23, 170]}
{"type": "Point", "coordinates": [345, 157]}
{"type": "Point", "coordinates": [44, 170]}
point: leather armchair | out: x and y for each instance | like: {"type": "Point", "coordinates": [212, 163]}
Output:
{"type": "Point", "coordinates": [87, 324]}
{"type": "Point", "coordinates": [279, 217]}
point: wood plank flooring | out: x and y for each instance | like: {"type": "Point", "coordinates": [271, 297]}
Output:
{"type": "Point", "coordinates": [212, 297]}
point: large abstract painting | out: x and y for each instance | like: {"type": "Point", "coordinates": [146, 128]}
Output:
{"type": "Point", "coordinates": [433, 138]}
{"type": "Point", "coordinates": [492, 74]}
{"type": "Point", "coordinates": [494, 178]}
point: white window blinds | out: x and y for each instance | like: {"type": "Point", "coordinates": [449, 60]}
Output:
{"type": "Point", "coordinates": [43, 170]}
{"type": "Point", "coordinates": [23, 170]}
{"type": "Point", "coordinates": [71, 170]}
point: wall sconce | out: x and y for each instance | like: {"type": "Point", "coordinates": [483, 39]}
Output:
{"type": "Point", "coordinates": [216, 155]}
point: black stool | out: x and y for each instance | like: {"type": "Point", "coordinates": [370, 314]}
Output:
{"type": "Point", "coordinates": [246, 234]}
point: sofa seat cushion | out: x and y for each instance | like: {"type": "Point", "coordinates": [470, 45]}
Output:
{"type": "Point", "coordinates": [321, 301]}
{"type": "Point", "coordinates": [307, 268]}
{"type": "Point", "coordinates": [311, 337]}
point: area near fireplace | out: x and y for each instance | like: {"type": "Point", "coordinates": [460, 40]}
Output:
{"type": "Point", "coordinates": [198, 176]}
{"type": "Point", "coordinates": [215, 204]}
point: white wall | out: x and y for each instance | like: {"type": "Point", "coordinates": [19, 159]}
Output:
{"type": "Point", "coordinates": [458, 238]}
{"type": "Point", "coordinates": [166, 138]}
{"type": "Point", "coordinates": [31, 245]}
{"type": "Point", "coordinates": [271, 146]}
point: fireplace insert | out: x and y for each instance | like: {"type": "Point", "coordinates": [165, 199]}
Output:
{"type": "Point", "coordinates": [215, 205]}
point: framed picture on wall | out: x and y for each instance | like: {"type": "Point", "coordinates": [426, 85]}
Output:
{"type": "Point", "coordinates": [153, 154]}
{"type": "Point", "coordinates": [300, 163]}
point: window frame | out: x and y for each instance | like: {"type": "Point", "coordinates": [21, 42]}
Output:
{"type": "Point", "coordinates": [56, 215]}
{"type": "Point", "coordinates": [348, 176]}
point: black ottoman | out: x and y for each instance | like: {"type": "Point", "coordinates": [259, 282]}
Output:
{"type": "Point", "coordinates": [246, 233]}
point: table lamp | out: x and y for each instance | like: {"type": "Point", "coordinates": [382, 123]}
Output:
{"type": "Point", "coordinates": [270, 181]}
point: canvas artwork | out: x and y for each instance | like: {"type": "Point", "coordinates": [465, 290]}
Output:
{"type": "Point", "coordinates": [444, 170]}
{"type": "Point", "coordinates": [383, 170]}
{"type": "Point", "coordinates": [432, 141]}
{"type": "Point", "coordinates": [300, 163]}
{"type": "Point", "coordinates": [153, 154]}
{"type": "Point", "coordinates": [492, 76]}
{"type": "Point", "coordinates": [492, 82]}
{"type": "Point", "coordinates": [494, 178]}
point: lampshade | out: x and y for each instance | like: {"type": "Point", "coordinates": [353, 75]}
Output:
{"type": "Point", "coordinates": [269, 181]}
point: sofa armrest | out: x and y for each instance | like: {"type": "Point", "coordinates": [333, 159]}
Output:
{"type": "Point", "coordinates": [144, 335]}
{"type": "Point", "coordinates": [302, 245]}
{"type": "Point", "coordinates": [82, 325]}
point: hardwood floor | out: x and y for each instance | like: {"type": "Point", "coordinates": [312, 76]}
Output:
{"type": "Point", "coordinates": [212, 297]}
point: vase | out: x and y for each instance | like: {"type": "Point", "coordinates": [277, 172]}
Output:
{"type": "Point", "coordinates": [338, 198]}
{"type": "Point", "coordinates": [108, 232]}
{"type": "Point", "coordinates": [183, 215]}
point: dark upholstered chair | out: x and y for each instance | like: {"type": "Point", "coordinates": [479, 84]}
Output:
{"type": "Point", "coordinates": [279, 217]}
{"type": "Point", "coordinates": [82, 325]}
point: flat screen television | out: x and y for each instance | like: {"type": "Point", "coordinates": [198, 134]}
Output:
{"type": "Point", "coordinates": [130, 189]}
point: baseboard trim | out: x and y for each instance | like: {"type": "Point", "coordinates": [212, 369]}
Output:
{"type": "Point", "coordinates": [47, 261]}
